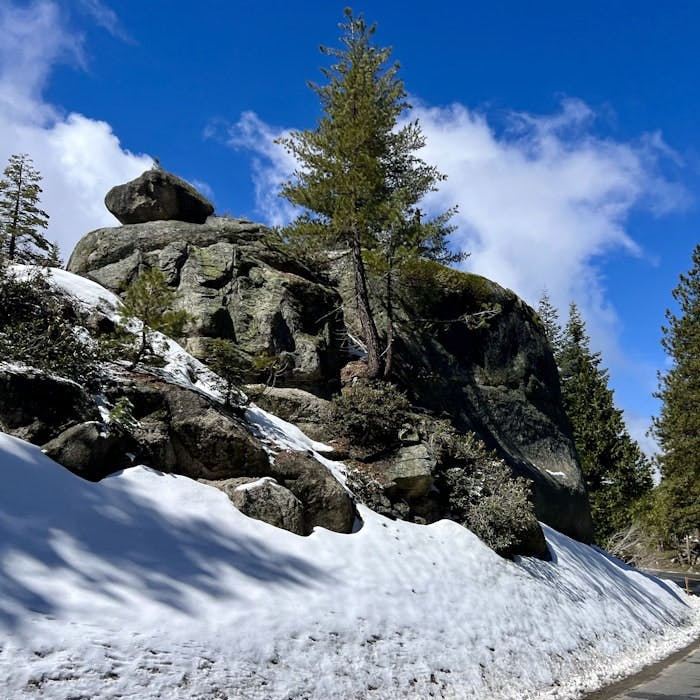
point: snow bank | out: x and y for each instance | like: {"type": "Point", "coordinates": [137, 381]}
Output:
{"type": "Point", "coordinates": [150, 585]}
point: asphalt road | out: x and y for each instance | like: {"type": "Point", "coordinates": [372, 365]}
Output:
{"type": "Point", "coordinates": [693, 579]}
{"type": "Point", "coordinates": [674, 678]}
{"type": "Point", "coordinates": [679, 681]}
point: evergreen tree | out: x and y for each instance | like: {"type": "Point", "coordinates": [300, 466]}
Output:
{"type": "Point", "coordinates": [359, 179]}
{"type": "Point", "coordinates": [227, 360]}
{"type": "Point", "coordinates": [149, 299]}
{"type": "Point", "coordinates": [21, 219]}
{"type": "Point", "coordinates": [616, 472]}
{"type": "Point", "coordinates": [550, 320]}
{"type": "Point", "coordinates": [677, 428]}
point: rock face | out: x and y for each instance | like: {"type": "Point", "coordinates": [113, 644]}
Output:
{"type": "Point", "coordinates": [91, 450]}
{"type": "Point", "coordinates": [264, 499]}
{"type": "Point", "coordinates": [157, 196]}
{"type": "Point", "coordinates": [484, 360]}
{"type": "Point", "coordinates": [37, 407]}
{"type": "Point", "coordinates": [238, 283]}
{"type": "Point", "coordinates": [481, 357]}
{"type": "Point", "coordinates": [184, 432]}
{"type": "Point", "coordinates": [326, 503]}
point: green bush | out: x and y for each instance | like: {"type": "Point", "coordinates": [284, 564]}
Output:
{"type": "Point", "coordinates": [368, 414]}
{"type": "Point", "coordinates": [481, 492]}
{"type": "Point", "coordinates": [36, 328]}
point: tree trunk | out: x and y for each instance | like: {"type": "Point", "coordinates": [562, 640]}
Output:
{"type": "Point", "coordinates": [389, 357]}
{"type": "Point", "coordinates": [15, 218]}
{"type": "Point", "coordinates": [369, 327]}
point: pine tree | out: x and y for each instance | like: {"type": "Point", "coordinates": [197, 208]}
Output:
{"type": "Point", "coordinates": [149, 299]}
{"type": "Point", "coordinates": [359, 179]}
{"type": "Point", "coordinates": [227, 360]}
{"type": "Point", "coordinates": [21, 219]}
{"type": "Point", "coordinates": [550, 320]}
{"type": "Point", "coordinates": [616, 472]}
{"type": "Point", "coordinates": [677, 428]}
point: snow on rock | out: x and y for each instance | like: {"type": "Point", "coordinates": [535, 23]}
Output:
{"type": "Point", "coordinates": [153, 586]}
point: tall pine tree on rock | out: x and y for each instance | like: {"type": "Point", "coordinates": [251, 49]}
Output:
{"type": "Point", "coordinates": [677, 428]}
{"type": "Point", "coordinates": [21, 219]}
{"type": "Point", "coordinates": [359, 180]}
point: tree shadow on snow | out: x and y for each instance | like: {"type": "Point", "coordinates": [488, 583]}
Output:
{"type": "Point", "coordinates": [106, 539]}
{"type": "Point", "coordinates": [606, 576]}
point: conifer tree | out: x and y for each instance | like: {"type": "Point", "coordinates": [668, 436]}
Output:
{"type": "Point", "coordinates": [615, 470]}
{"type": "Point", "coordinates": [359, 178]}
{"type": "Point", "coordinates": [227, 360]}
{"type": "Point", "coordinates": [677, 428]}
{"type": "Point", "coordinates": [550, 320]}
{"type": "Point", "coordinates": [21, 219]}
{"type": "Point", "coordinates": [149, 299]}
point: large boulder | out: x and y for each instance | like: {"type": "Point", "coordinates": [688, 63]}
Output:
{"type": "Point", "coordinates": [37, 407]}
{"type": "Point", "coordinates": [326, 502]}
{"type": "Point", "coordinates": [306, 410]}
{"type": "Point", "coordinates": [157, 195]}
{"type": "Point", "coordinates": [91, 450]}
{"type": "Point", "coordinates": [484, 360]}
{"type": "Point", "coordinates": [184, 432]}
{"type": "Point", "coordinates": [238, 282]}
{"type": "Point", "coordinates": [264, 499]}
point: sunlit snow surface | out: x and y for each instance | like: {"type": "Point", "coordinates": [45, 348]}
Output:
{"type": "Point", "coordinates": [148, 585]}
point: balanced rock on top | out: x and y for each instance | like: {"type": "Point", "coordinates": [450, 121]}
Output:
{"type": "Point", "coordinates": [157, 195]}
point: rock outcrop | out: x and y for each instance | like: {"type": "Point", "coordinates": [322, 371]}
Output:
{"type": "Point", "coordinates": [157, 195]}
{"type": "Point", "coordinates": [468, 348]}
{"type": "Point", "coordinates": [465, 347]}
{"type": "Point", "coordinates": [238, 283]}
{"type": "Point", "coordinates": [264, 499]}
{"type": "Point", "coordinates": [37, 407]}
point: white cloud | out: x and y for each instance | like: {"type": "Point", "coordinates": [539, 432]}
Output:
{"type": "Point", "coordinates": [106, 18]}
{"type": "Point", "coordinates": [80, 158]}
{"type": "Point", "coordinates": [540, 201]}
{"type": "Point", "coordinates": [271, 164]}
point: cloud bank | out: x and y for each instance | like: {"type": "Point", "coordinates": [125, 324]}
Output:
{"type": "Point", "coordinates": [80, 158]}
{"type": "Point", "coordinates": [540, 199]}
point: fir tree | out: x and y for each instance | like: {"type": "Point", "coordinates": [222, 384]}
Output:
{"type": "Point", "coordinates": [227, 360]}
{"type": "Point", "coordinates": [616, 472]}
{"type": "Point", "coordinates": [550, 320]}
{"type": "Point", "coordinates": [677, 428]}
{"type": "Point", "coordinates": [21, 219]}
{"type": "Point", "coordinates": [149, 299]}
{"type": "Point", "coordinates": [359, 179]}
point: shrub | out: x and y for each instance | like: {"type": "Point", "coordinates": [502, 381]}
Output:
{"type": "Point", "coordinates": [481, 492]}
{"type": "Point", "coordinates": [369, 414]}
{"type": "Point", "coordinates": [36, 328]}
{"type": "Point", "coordinates": [122, 416]}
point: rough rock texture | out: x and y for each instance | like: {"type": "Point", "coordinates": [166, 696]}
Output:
{"type": "Point", "coordinates": [238, 283]}
{"type": "Point", "coordinates": [184, 432]}
{"type": "Point", "coordinates": [492, 373]}
{"type": "Point", "coordinates": [305, 410]}
{"type": "Point", "coordinates": [326, 503]}
{"type": "Point", "coordinates": [91, 450]}
{"type": "Point", "coordinates": [264, 499]}
{"type": "Point", "coordinates": [37, 407]}
{"type": "Point", "coordinates": [157, 195]}
{"type": "Point", "coordinates": [408, 473]}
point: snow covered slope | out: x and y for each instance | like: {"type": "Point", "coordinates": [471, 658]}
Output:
{"type": "Point", "coordinates": [148, 585]}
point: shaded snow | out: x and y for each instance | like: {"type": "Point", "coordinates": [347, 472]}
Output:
{"type": "Point", "coordinates": [148, 585]}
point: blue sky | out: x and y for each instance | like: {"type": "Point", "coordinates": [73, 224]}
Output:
{"type": "Point", "coordinates": [568, 131]}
